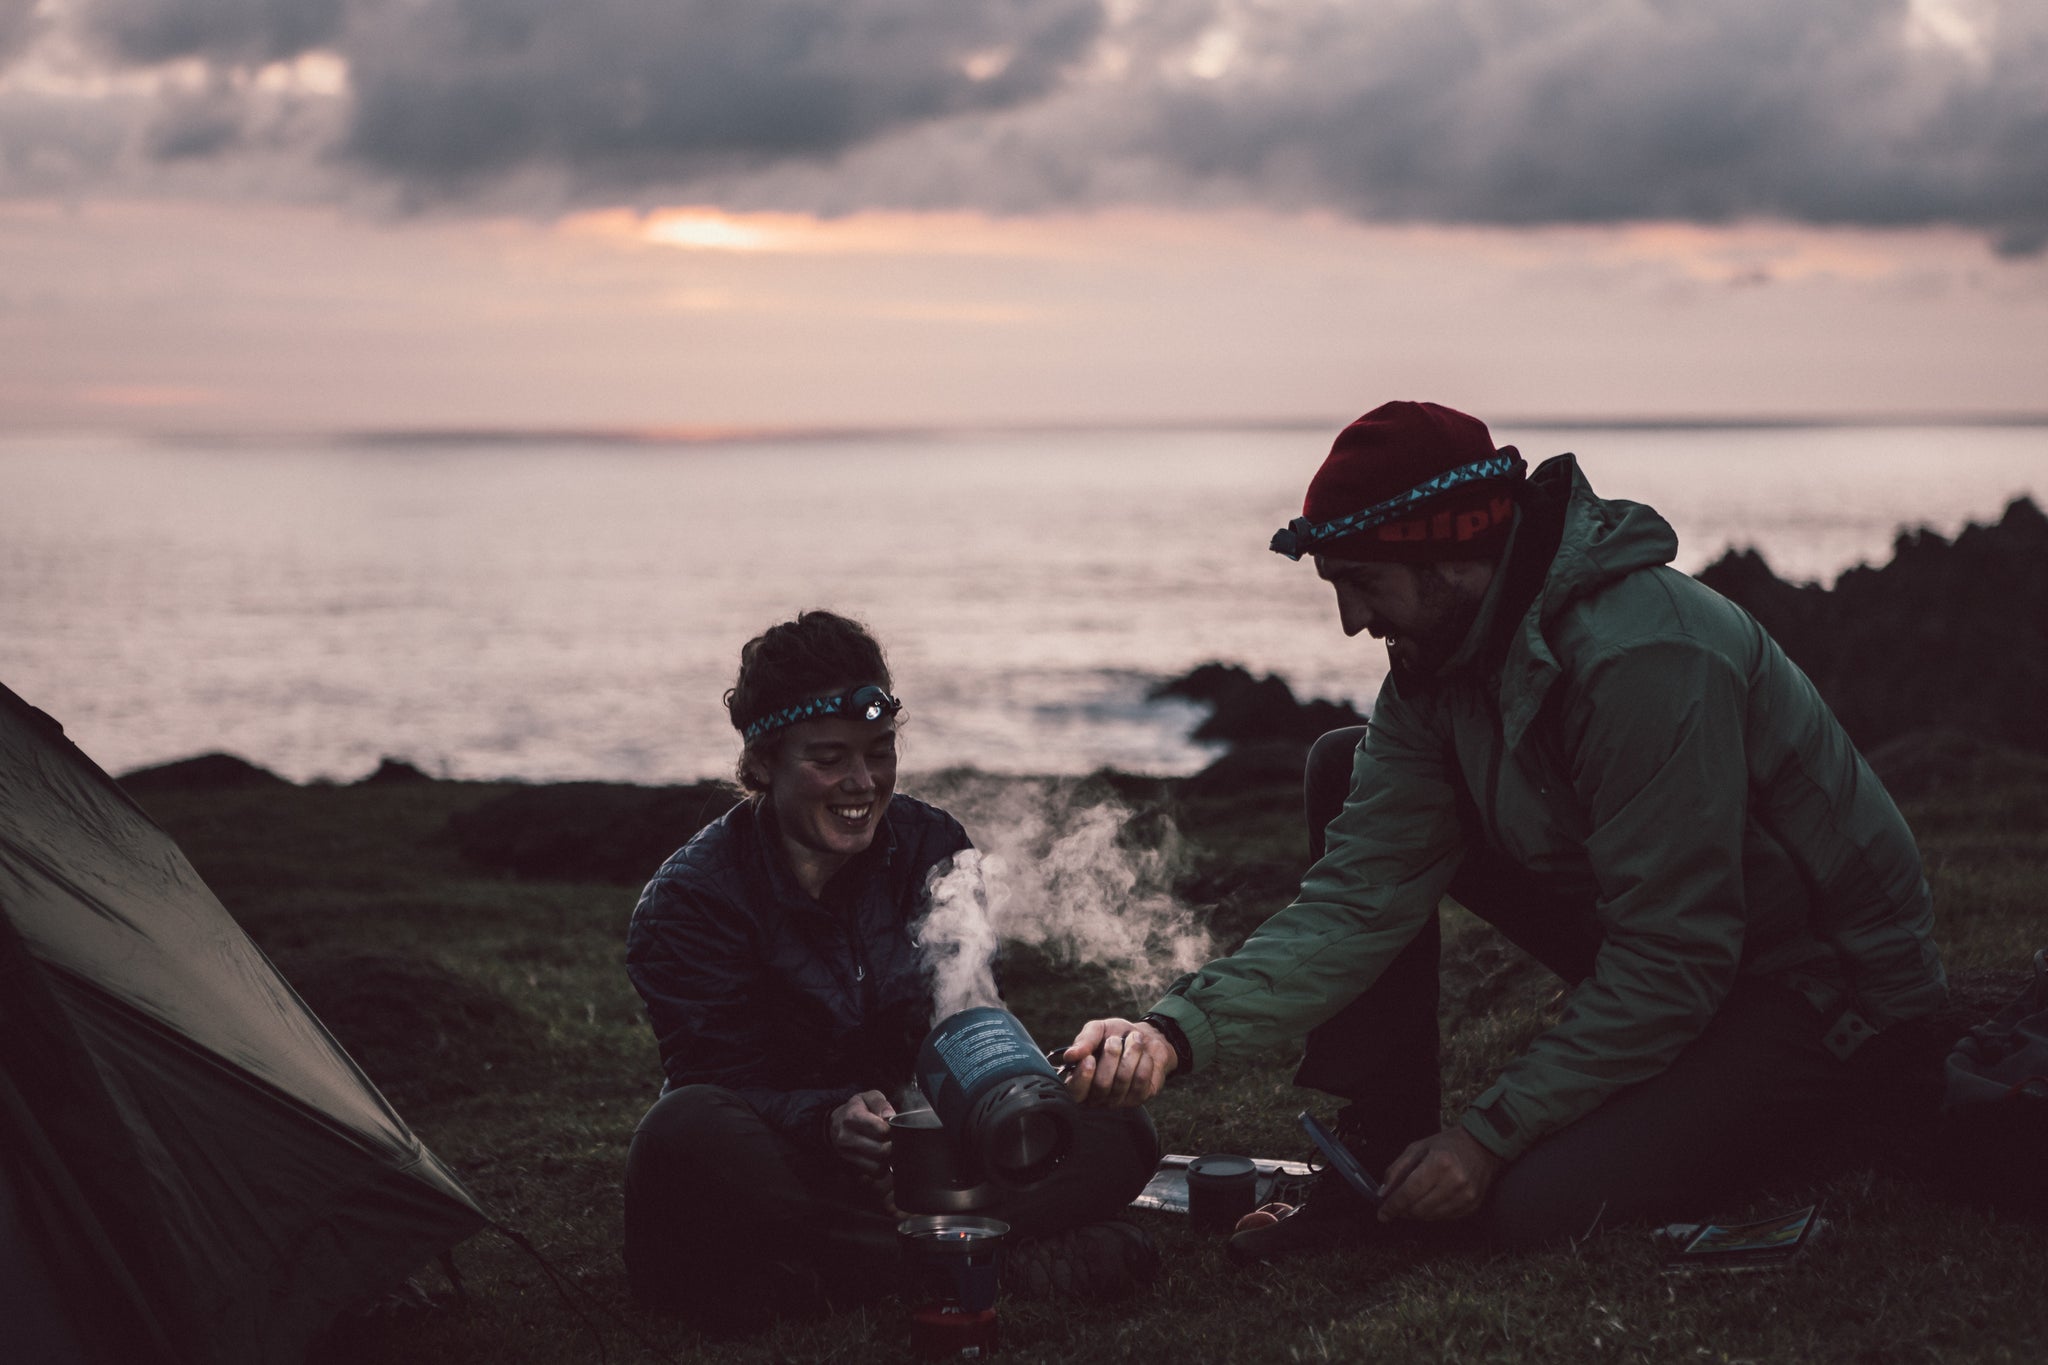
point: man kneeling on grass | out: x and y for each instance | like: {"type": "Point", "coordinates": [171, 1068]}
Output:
{"type": "Point", "coordinates": [1620, 771]}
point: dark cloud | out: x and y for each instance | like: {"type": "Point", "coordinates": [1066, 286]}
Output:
{"type": "Point", "coordinates": [1876, 112]}
{"type": "Point", "coordinates": [641, 89]}
{"type": "Point", "coordinates": [227, 31]}
{"type": "Point", "coordinates": [447, 94]}
{"type": "Point", "coordinates": [18, 26]}
{"type": "Point", "coordinates": [1830, 111]}
{"type": "Point", "coordinates": [197, 125]}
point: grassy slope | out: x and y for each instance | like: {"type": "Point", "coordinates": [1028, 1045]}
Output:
{"type": "Point", "coordinates": [507, 1034]}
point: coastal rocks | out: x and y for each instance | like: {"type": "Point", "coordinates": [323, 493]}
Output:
{"type": "Point", "coordinates": [1268, 730]}
{"type": "Point", "coordinates": [394, 772]}
{"type": "Point", "coordinates": [1248, 710]}
{"type": "Point", "coordinates": [205, 772]}
{"type": "Point", "coordinates": [1949, 635]}
{"type": "Point", "coordinates": [586, 831]}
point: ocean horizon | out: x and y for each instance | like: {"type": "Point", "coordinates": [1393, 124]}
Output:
{"type": "Point", "coordinates": [739, 433]}
{"type": "Point", "coordinates": [553, 606]}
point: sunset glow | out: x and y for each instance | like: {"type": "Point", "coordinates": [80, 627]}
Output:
{"type": "Point", "coordinates": [710, 230]}
{"type": "Point", "coordinates": [356, 216]}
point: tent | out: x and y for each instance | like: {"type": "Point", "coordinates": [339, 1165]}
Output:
{"type": "Point", "coordinates": [191, 1169]}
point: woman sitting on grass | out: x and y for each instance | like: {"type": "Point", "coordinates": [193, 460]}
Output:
{"type": "Point", "coordinates": [776, 956]}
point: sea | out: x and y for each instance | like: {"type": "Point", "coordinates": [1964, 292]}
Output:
{"type": "Point", "coordinates": [573, 608]}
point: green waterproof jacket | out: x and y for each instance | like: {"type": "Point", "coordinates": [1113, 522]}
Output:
{"type": "Point", "coordinates": [1612, 724]}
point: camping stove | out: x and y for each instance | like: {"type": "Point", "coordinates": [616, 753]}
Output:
{"type": "Point", "coordinates": [954, 1260]}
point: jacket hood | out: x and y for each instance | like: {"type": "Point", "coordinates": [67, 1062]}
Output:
{"type": "Point", "coordinates": [1599, 540]}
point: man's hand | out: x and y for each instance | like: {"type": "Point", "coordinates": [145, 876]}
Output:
{"type": "Point", "coordinates": [1441, 1177]}
{"type": "Point", "coordinates": [1118, 1064]}
{"type": "Point", "coordinates": [859, 1133]}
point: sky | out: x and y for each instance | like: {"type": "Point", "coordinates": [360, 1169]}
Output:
{"type": "Point", "coordinates": [699, 216]}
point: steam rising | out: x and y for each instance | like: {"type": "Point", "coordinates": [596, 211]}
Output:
{"type": "Point", "coordinates": [1073, 876]}
{"type": "Point", "coordinates": [958, 934]}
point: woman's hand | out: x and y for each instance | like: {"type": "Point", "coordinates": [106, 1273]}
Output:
{"type": "Point", "coordinates": [859, 1133]}
{"type": "Point", "coordinates": [1118, 1064]}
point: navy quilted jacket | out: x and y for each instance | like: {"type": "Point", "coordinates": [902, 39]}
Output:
{"type": "Point", "coordinates": [794, 1003]}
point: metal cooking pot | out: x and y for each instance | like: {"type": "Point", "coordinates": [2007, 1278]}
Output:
{"type": "Point", "coordinates": [927, 1168]}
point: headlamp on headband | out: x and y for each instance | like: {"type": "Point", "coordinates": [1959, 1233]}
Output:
{"type": "Point", "coordinates": [862, 703]}
{"type": "Point", "coordinates": [1301, 536]}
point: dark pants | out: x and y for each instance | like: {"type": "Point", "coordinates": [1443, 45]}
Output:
{"type": "Point", "coordinates": [732, 1223]}
{"type": "Point", "coordinates": [1756, 1092]}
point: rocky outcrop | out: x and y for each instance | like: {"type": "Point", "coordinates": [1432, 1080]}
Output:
{"type": "Point", "coordinates": [1949, 635]}
{"type": "Point", "coordinates": [394, 772]}
{"type": "Point", "coordinates": [206, 772]}
{"type": "Point", "coordinates": [1248, 710]}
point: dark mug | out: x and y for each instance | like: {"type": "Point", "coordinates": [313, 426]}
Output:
{"type": "Point", "coordinates": [1221, 1190]}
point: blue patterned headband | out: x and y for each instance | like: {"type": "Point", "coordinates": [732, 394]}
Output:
{"type": "Point", "coordinates": [1301, 536]}
{"type": "Point", "coordinates": [862, 703]}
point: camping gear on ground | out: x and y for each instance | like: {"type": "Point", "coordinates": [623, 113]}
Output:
{"type": "Point", "coordinates": [926, 1167]}
{"type": "Point", "coordinates": [1221, 1190]}
{"type": "Point", "coordinates": [1341, 1160]}
{"type": "Point", "coordinates": [1167, 1190]}
{"type": "Point", "coordinates": [1763, 1244]}
{"type": "Point", "coordinates": [954, 1261]}
{"type": "Point", "coordinates": [1994, 1115]}
{"type": "Point", "coordinates": [1011, 1120]}
{"type": "Point", "coordinates": [191, 1169]}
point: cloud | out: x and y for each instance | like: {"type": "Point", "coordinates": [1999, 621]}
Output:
{"type": "Point", "coordinates": [626, 91]}
{"type": "Point", "coordinates": [1512, 112]}
{"type": "Point", "coordinates": [142, 32]}
{"type": "Point", "coordinates": [444, 97]}
{"type": "Point", "coordinates": [1867, 112]}
{"type": "Point", "coordinates": [18, 26]}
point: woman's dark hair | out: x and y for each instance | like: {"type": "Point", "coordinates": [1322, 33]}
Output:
{"type": "Point", "coordinates": [817, 654]}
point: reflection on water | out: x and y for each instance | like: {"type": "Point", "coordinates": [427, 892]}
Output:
{"type": "Point", "coordinates": [550, 611]}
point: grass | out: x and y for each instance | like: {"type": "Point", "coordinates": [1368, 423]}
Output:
{"type": "Point", "coordinates": [496, 1014]}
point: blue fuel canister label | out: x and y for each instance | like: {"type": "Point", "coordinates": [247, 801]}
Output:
{"type": "Point", "coordinates": [972, 1051]}
{"type": "Point", "coordinates": [979, 1050]}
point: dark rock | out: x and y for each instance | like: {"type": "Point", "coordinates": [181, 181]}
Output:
{"type": "Point", "coordinates": [1788, 611]}
{"type": "Point", "coordinates": [207, 772]}
{"type": "Point", "coordinates": [394, 771]}
{"type": "Point", "coordinates": [1949, 635]}
{"type": "Point", "coordinates": [1248, 710]}
{"type": "Point", "coordinates": [586, 831]}
{"type": "Point", "coordinates": [1210, 682]}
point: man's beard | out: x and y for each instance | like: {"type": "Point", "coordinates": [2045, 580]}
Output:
{"type": "Point", "coordinates": [1451, 612]}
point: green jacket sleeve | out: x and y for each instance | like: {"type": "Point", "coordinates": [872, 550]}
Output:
{"type": "Point", "coordinates": [1654, 734]}
{"type": "Point", "coordinates": [1390, 853]}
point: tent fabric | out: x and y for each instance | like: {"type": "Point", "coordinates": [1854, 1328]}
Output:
{"type": "Point", "coordinates": [184, 1149]}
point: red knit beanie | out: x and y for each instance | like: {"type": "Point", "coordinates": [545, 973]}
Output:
{"type": "Point", "coordinates": [1409, 482]}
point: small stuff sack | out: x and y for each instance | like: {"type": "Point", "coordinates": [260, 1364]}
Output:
{"type": "Point", "coordinates": [1994, 1114]}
